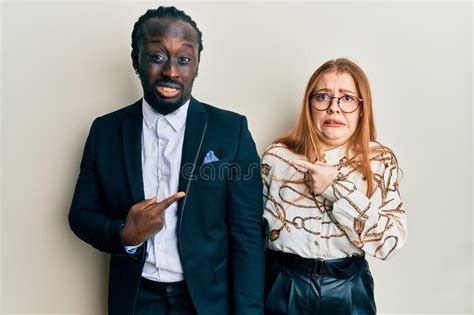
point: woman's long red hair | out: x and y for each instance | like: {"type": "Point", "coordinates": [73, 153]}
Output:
{"type": "Point", "coordinates": [303, 139]}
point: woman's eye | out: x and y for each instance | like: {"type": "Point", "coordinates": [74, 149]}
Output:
{"type": "Point", "coordinates": [322, 97]}
{"type": "Point", "coordinates": [348, 98]}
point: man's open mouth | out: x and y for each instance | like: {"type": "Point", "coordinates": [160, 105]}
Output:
{"type": "Point", "coordinates": [166, 91]}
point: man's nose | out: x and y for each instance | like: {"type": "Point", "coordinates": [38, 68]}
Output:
{"type": "Point", "coordinates": [170, 69]}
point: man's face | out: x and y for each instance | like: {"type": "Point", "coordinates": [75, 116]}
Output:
{"type": "Point", "coordinates": [167, 62]}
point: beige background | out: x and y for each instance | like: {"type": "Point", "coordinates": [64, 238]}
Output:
{"type": "Point", "coordinates": [64, 63]}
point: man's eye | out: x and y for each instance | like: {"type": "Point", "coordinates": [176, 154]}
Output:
{"type": "Point", "coordinates": [184, 60]}
{"type": "Point", "coordinates": [158, 58]}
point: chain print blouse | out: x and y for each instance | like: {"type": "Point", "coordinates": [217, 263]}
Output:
{"type": "Point", "coordinates": [340, 222]}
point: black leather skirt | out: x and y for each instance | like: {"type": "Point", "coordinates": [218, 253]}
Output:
{"type": "Point", "coordinates": [302, 286]}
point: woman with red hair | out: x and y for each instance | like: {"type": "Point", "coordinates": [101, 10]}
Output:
{"type": "Point", "coordinates": [330, 197]}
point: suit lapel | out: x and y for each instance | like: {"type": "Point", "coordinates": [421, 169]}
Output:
{"type": "Point", "coordinates": [132, 147]}
{"type": "Point", "coordinates": [196, 124]}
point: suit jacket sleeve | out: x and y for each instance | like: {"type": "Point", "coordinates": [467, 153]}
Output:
{"type": "Point", "coordinates": [244, 206]}
{"type": "Point", "coordinates": [88, 217]}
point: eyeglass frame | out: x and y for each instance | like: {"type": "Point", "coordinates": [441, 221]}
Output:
{"type": "Point", "coordinates": [338, 101]}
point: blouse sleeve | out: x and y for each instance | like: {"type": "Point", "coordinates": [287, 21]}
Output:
{"type": "Point", "coordinates": [266, 178]}
{"type": "Point", "coordinates": [272, 210]}
{"type": "Point", "coordinates": [378, 224]}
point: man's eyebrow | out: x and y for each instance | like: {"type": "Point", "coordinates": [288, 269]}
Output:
{"type": "Point", "coordinates": [160, 41]}
{"type": "Point", "coordinates": [188, 44]}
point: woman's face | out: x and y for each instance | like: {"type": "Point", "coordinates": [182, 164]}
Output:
{"type": "Point", "coordinates": [333, 126]}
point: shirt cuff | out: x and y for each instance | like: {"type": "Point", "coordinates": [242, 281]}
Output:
{"type": "Point", "coordinates": [132, 249]}
{"type": "Point", "coordinates": [339, 188]}
{"type": "Point", "coordinates": [129, 249]}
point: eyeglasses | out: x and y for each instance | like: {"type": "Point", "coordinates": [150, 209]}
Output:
{"type": "Point", "coordinates": [347, 103]}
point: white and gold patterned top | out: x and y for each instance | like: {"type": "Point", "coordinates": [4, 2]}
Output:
{"type": "Point", "coordinates": [341, 221]}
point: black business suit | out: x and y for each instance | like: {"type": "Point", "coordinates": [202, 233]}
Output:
{"type": "Point", "coordinates": [220, 234]}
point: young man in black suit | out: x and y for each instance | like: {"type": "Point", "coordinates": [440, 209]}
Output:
{"type": "Point", "coordinates": [171, 188]}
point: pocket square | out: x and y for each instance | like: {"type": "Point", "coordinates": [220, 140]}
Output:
{"type": "Point", "coordinates": [210, 157]}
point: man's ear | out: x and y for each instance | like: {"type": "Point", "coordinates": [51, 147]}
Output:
{"type": "Point", "coordinates": [197, 71]}
{"type": "Point", "coordinates": [134, 56]}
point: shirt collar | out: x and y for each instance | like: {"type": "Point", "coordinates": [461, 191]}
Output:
{"type": "Point", "coordinates": [176, 119]}
{"type": "Point", "coordinates": [334, 155]}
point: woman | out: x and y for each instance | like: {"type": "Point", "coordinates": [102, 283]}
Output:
{"type": "Point", "coordinates": [330, 197]}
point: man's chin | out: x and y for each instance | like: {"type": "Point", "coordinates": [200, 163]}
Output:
{"type": "Point", "coordinates": [166, 106]}
{"type": "Point", "coordinates": [163, 101]}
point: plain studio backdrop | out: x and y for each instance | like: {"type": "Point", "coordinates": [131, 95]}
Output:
{"type": "Point", "coordinates": [65, 63]}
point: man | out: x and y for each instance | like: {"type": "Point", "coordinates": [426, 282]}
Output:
{"type": "Point", "coordinates": [184, 231]}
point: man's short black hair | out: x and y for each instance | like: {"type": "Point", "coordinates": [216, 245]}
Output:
{"type": "Point", "coordinates": [162, 12]}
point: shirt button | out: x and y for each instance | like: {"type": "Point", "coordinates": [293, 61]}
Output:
{"type": "Point", "coordinates": [169, 289]}
{"type": "Point", "coordinates": [316, 243]}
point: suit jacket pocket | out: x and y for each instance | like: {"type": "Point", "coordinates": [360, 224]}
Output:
{"type": "Point", "coordinates": [214, 173]}
{"type": "Point", "coordinates": [220, 270]}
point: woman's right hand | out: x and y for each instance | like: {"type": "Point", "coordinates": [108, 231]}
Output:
{"type": "Point", "coordinates": [319, 175]}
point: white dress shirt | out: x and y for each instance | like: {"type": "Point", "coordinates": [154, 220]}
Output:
{"type": "Point", "coordinates": [340, 222]}
{"type": "Point", "coordinates": [162, 145]}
